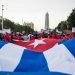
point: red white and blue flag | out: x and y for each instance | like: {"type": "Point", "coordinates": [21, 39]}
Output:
{"type": "Point", "coordinates": [38, 45]}
{"type": "Point", "coordinates": [59, 58]}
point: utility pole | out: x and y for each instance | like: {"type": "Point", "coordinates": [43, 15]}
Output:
{"type": "Point", "coordinates": [2, 16]}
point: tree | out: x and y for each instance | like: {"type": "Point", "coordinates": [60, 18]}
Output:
{"type": "Point", "coordinates": [71, 19]}
{"type": "Point", "coordinates": [0, 24]}
{"type": "Point", "coordinates": [14, 26]}
{"type": "Point", "coordinates": [63, 25]}
{"type": "Point", "coordinates": [9, 24]}
{"type": "Point", "coordinates": [68, 24]}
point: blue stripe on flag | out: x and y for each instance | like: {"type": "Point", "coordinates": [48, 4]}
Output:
{"type": "Point", "coordinates": [2, 43]}
{"type": "Point", "coordinates": [32, 62]}
{"type": "Point", "coordinates": [32, 73]}
{"type": "Point", "coordinates": [70, 44]}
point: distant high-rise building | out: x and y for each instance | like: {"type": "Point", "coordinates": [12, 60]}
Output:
{"type": "Point", "coordinates": [47, 21]}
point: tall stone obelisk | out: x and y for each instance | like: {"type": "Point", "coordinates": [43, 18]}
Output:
{"type": "Point", "coordinates": [47, 21]}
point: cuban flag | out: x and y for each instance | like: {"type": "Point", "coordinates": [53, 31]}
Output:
{"type": "Point", "coordinates": [38, 45]}
{"type": "Point", "coordinates": [59, 58]}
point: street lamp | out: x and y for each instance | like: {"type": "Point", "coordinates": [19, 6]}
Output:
{"type": "Point", "coordinates": [2, 16]}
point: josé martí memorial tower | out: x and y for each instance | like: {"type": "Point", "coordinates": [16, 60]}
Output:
{"type": "Point", "coordinates": [47, 21]}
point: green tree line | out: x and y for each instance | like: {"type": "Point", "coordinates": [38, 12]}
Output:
{"type": "Point", "coordinates": [15, 27]}
{"type": "Point", "coordinates": [68, 24]}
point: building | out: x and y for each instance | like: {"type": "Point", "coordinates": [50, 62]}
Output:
{"type": "Point", "coordinates": [47, 21]}
{"type": "Point", "coordinates": [31, 25]}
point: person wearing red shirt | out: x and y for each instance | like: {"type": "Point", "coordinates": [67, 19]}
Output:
{"type": "Point", "coordinates": [7, 37]}
{"type": "Point", "coordinates": [17, 36]}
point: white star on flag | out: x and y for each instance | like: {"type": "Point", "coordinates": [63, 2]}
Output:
{"type": "Point", "coordinates": [37, 42]}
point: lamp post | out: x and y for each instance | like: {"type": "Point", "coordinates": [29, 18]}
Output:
{"type": "Point", "coordinates": [2, 16]}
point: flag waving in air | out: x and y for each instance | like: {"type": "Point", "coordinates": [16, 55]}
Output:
{"type": "Point", "coordinates": [59, 58]}
{"type": "Point", "coordinates": [38, 45]}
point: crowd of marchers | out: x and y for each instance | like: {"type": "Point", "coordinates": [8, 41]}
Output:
{"type": "Point", "coordinates": [10, 37]}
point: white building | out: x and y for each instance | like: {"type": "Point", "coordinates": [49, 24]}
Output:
{"type": "Point", "coordinates": [31, 25]}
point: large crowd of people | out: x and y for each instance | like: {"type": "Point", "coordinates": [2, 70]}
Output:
{"type": "Point", "coordinates": [31, 36]}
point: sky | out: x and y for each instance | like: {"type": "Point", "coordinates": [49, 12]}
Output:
{"type": "Point", "coordinates": [34, 11]}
